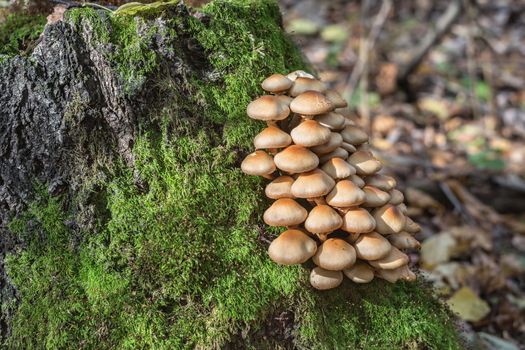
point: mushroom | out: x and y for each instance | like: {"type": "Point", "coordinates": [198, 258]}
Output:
{"type": "Point", "coordinates": [285, 212]}
{"type": "Point", "coordinates": [389, 219]}
{"type": "Point", "coordinates": [396, 197]}
{"type": "Point", "coordinates": [357, 180]}
{"type": "Point", "coordinates": [360, 272]}
{"type": "Point", "coordinates": [403, 240]}
{"type": "Point", "coordinates": [348, 147]}
{"type": "Point", "coordinates": [334, 254]}
{"type": "Point", "coordinates": [358, 220]}
{"type": "Point", "coordinates": [298, 74]}
{"type": "Point", "coordinates": [383, 182]}
{"type": "Point", "coordinates": [258, 163]}
{"type": "Point", "coordinates": [285, 99]}
{"type": "Point", "coordinates": [411, 226]}
{"type": "Point", "coordinates": [310, 133]}
{"type": "Point", "coordinates": [332, 120]}
{"type": "Point", "coordinates": [338, 168]}
{"type": "Point", "coordinates": [276, 83]}
{"type": "Point", "coordinates": [354, 135]}
{"type": "Point", "coordinates": [296, 159]}
{"type": "Point", "coordinates": [337, 153]}
{"type": "Point", "coordinates": [281, 187]}
{"type": "Point", "coordinates": [303, 84]}
{"type": "Point", "coordinates": [268, 108]}
{"type": "Point", "coordinates": [336, 98]}
{"type": "Point", "coordinates": [312, 184]}
{"type": "Point", "coordinates": [272, 138]}
{"type": "Point", "coordinates": [364, 162]}
{"type": "Point", "coordinates": [333, 143]}
{"type": "Point", "coordinates": [394, 259]}
{"type": "Point", "coordinates": [374, 197]}
{"type": "Point", "coordinates": [311, 103]}
{"type": "Point", "coordinates": [325, 279]}
{"type": "Point", "coordinates": [322, 219]}
{"type": "Point", "coordinates": [345, 194]}
{"type": "Point", "coordinates": [292, 247]}
{"type": "Point", "coordinates": [401, 273]}
{"type": "Point", "coordinates": [372, 246]}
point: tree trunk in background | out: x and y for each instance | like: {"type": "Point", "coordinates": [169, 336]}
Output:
{"type": "Point", "coordinates": [125, 221]}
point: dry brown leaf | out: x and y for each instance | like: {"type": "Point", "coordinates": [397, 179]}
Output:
{"type": "Point", "coordinates": [468, 305]}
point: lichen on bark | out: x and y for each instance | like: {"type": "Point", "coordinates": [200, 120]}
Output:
{"type": "Point", "coordinates": [154, 239]}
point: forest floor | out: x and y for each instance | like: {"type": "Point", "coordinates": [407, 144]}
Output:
{"type": "Point", "coordinates": [451, 130]}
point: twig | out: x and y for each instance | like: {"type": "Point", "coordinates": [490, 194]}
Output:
{"type": "Point", "coordinates": [456, 203]}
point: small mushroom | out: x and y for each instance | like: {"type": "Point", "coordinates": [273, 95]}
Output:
{"type": "Point", "coordinates": [357, 180]}
{"type": "Point", "coordinates": [332, 120]}
{"type": "Point", "coordinates": [267, 108]}
{"type": "Point", "coordinates": [334, 254]}
{"type": "Point", "coordinates": [364, 162]}
{"type": "Point", "coordinates": [303, 84]}
{"type": "Point", "coordinates": [348, 147]}
{"type": "Point", "coordinates": [383, 182]}
{"type": "Point", "coordinates": [292, 247]}
{"type": "Point", "coordinates": [374, 197]}
{"type": "Point", "coordinates": [401, 273]}
{"type": "Point", "coordinates": [311, 103]}
{"type": "Point", "coordinates": [312, 184]}
{"type": "Point", "coordinates": [389, 219]}
{"type": "Point", "coordinates": [276, 83]}
{"type": "Point", "coordinates": [404, 240]}
{"type": "Point", "coordinates": [337, 153]}
{"type": "Point", "coordinates": [372, 246]}
{"type": "Point", "coordinates": [338, 168]}
{"type": "Point", "coordinates": [285, 212]}
{"type": "Point", "coordinates": [281, 187]}
{"type": "Point", "coordinates": [360, 272]}
{"type": "Point", "coordinates": [396, 197]}
{"type": "Point", "coordinates": [403, 208]}
{"type": "Point", "coordinates": [333, 143]}
{"type": "Point", "coordinates": [394, 259]}
{"type": "Point", "coordinates": [296, 159]}
{"type": "Point", "coordinates": [336, 98]}
{"type": "Point", "coordinates": [298, 74]}
{"type": "Point", "coordinates": [325, 279]}
{"type": "Point", "coordinates": [285, 99]}
{"type": "Point", "coordinates": [358, 220]}
{"type": "Point", "coordinates": [271, 138]}
{"type": "Point", "coordinates": [322, 219]}
{"type": "Point", "coordinates": [258, 163]}
{"type": "Point", "coordinates": [345, 194]}
{"type": "Point", "coordinates": [411, 226]}
{"type": "Point", "coordinates": [310, 133]}
{"type": "Point", "coordinates": [354, 135]}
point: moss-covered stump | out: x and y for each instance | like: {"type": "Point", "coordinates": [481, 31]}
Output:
{"type": "Point", "coordinates": [126, 222]}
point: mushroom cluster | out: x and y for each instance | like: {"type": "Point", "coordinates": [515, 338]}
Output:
{"type": "Point", "coordinates": [337, 209]}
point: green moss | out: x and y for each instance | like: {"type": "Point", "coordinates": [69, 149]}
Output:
{"type": "Point", "coordinates": [176, 263]}
{"type": "Point", "coordinates": [19, 31]}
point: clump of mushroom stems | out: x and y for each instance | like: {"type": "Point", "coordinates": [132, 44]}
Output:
{"type": "Point", "coordinates": [337, 208]}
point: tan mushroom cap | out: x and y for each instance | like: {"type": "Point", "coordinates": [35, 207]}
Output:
{"type": "Point", "coordinates": [396, 197]}
{"type": "Point", "coordinates": [394, 275]}
{"type": "Point", "coordinates": [322, 219]}
{"type": "Point", "coordinates": [358, 220]}
{"type": "Point", "coordinates": [360, 272]}
{"type": "Point", "coordinates": [333, 143]}
{"type": "Point", "coordinates": [354, 135]}
{"type": "Point", "coordinates": [389, 219]}
{"type": "Point", "coordinates": [332, 120]}
{"type": "Point", "coordinates": [311, 103]}
{"type": "Point", "coordinates": [325, 279]}
{"type": "Point", "coordinates": [404, 240]}
{"type": "Point", "coordinates": [383, 182]}
{"type": "Point", "coordinates": [337, 153]}
{"type": "Point", "coordinates": [303, 84]}
{"type": "Point", "coordinates": [338, 168]}
{"type": "Point", "coordinates": [292, 247]}
{"type": "Point", "coordinates": [374, 197]}
{"type": "Point", "coordinates": [296, 159]}
{"type": "Point", "coordinates": [348, 147]}
{"type": "Point", "coordinates": [285, 99]}
{"type": "Point", "coordinates": [310, 133]}
{"type": "Point", "coordinates": [411, 226]}
{"type": "Point", "coordinates": [268, 107]}
{"type": "Point", "coordinates": [272, 137]}
{"type": "Point", "coordinates": [336, 98]}
{"type": "Point", "coordinates": [312, 184]}
{"type": "Point", "coordinates": [281, 187]}
{"type": "Point", "coordinates": [345, 194]}
{"type": "Point", "coordinates": [372, 246]}
{"type": "Point", "coordinates": [357, 180]}
{"type": "Point", "coordinates": [298, 74]}
{"type": "Point", "coordinates": [276, 83]}
{"type": "Point", "coordinates": [394, 259]}
{"type": "Point", "coordinates": [364, 162]}
{"type": "Point", "coordinates": [403, 208]}
{"type": "Point", "coordinates": [285, 212]}
{"type": "Point", "coordinates": [334, 254]}
{"type": "Point", "coordinates": [258, 163]}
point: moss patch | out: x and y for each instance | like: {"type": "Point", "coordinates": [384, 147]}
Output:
{"type": "Point", "coordinates": [19, 31]}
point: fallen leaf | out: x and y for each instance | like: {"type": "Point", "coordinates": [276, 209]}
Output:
{"type": "Point", "coordinates": [468, 305]}
{"type": "Point", "coordinates": [302, 26]}
{"type": "Point", "coordinates": [334, 33]}
{"type": "Point", "coordinates": [420, 199]}
{"type": "Point", "coordinates": [437, 249]}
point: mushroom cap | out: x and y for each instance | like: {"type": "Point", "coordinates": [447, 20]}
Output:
{"type": "Point", "coordinates": [313, 184]}
{"type": "Point", "coordinates": [411, 226]}
{"type": "Point", "coordinates": [358, 220]}
{"type": "Point", "coordinates": [338, 168]}
{"type": "Point", "coordinates": [374, 197]}
{"type": "Point", "coordinates": [285, 99]}
{"type": "Point", "coordinates": [296, 159]}
{"type": "Point", "coordinates": [276, 83]}
{"type": "Point", "coordinates": [394, 259]}
{"type": "Point", "coordinates": [311, 103]}
{"type": "Point", "coordinates": [364, 163]}
{"type": "Point", "coordinates": [348, 147]}
{"type": "Point", "coordinates": [292, 247]}
{"type": "Point", "coordinates": [383, 182]}
{"type": "Point", "coordinates": [323, 219]}
{"type": "Point", "coordinates": [345, 194]}
{"type": "Point", "coordinates": [325, 279]}
{"type": "Point", "coordinates": [333, 143]}
{"type": "Point", "coordinates": [310, 133]}
{"type": "Point", "coordinates": [360, 272]}
{"type": "Point", "coordinates": [299, 73]}
{"type": "Point", "coordinates": [303, 84]}
{"type": "Point", "coordinates": [272, 137]}
{"type": "Point", "coordinates": [281, 187]}
{"type": "Point", "coordinates": [401, 273]}
{"type": "Point", "coordinates": [357, 180]}
{"type": "Point", "coordinates": [354, 135]}
{"type": "Point", "coordinates": [372, 246]}
{"type": "Point", "coordinates": [389, 219]}
{"type": "Point", "coordinates": [396, 197]}
{"type": "Point", "coordinates": [285, 212]}
{"type": "Point", "coordinates": [404, 240]}
{"type": "Point", "coordinates": [334, 254]}
{"type": "Point", "coordinates": [332, 120]}
{"type": "Point", "coordinates": [268, 107]}
{"type": "Point", "coordinates": [336, 98]}
{"type": "Point", "coordinates": [258, 163]}
{"type": "Point", "coordinates": [337, 153]}
{"type": "Point", "coordinates": [403, 208]}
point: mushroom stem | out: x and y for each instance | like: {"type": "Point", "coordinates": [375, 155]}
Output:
{"type": "Point", "coordinates": [322, 236]}
{"type": "Point", "coordinates": [268, 176]}
{"type": "Point", "coordinates": [271, 123]}
{"type": "Point", "coordinates": [294, 121]}
{"type": "Point", "coordinates": [319, 200]}
{"type": "Point", "coordinates": [273, 150]}
{"type": "Point", "coordinates": [342, 211]}
{"type": "Point", "coordinates": [308, 116]}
